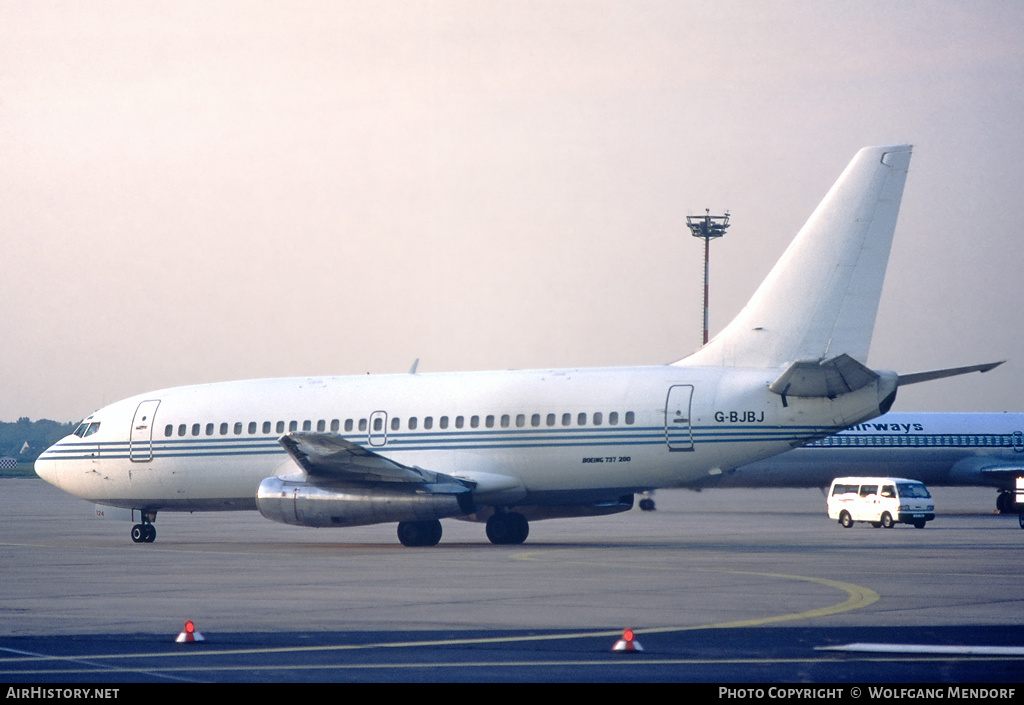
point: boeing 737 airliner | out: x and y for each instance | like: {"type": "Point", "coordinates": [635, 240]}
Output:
{"type": "Point", "coordinates": [977, 450]}
{"type": "Point", "coordinates": [507, 447]}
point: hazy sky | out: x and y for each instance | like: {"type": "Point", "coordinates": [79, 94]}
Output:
{"type": "Point", "coordinates": [200, 191]}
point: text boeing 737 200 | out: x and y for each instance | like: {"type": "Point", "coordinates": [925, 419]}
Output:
{"type": "Point", "coordinates": [506, 447]}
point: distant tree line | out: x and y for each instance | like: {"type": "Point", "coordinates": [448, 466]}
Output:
{"type": "Point", "coordinates": [25, 439]}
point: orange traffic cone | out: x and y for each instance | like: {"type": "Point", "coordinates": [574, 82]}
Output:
{"type": "Point", "coordinates": [627, 642]}
{"type": "Point", "coordinates": [190, 635]}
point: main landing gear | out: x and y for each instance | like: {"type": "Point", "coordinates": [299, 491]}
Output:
{"type": "Point", "coordinates": [506, 528]}
{"type": "Point", "coordinates": [419, 533]}
{"type": "Point", "coordinates": [503, 528]}
{"type": "Point", "coordinates": [1006, 503]}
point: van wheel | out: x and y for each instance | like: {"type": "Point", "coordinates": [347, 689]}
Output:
{"type": "Point", "coordinates": [845, 519]}
{"type": "Point", "coordinates": [887, 522]}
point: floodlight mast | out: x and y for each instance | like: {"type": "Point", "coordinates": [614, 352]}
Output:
{"type": "Point", "coordinates": [707, 227]}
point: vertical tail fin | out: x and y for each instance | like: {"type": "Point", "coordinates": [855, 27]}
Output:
{"type": "Point", "coordinates": [821, 299]}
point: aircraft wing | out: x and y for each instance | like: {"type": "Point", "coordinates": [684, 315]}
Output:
{"type": "Point", "coordinates": [329, 456]}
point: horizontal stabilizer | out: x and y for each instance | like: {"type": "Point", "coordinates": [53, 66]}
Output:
{"type": "Point", "coordinates": [827, 378]}
{"type": "Point", "coordinates": [915, 377]}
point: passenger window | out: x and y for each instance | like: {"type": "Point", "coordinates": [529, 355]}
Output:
{"type": "Point", "coordinates": [597, 418]}
{"type": "Point", "coordinates": [266, 426]}
{"type": "Point", "coordinates": [459, 422]}
{"type": "Point", "coordinates": [581, 419]}
{"type": "Point", "coordinates": [195, 429]}
{"type": "Point", "coordinates": [551, 420]}
{"type": "Point", "coordinates": [630, 417]}
{"type": "Point", "coordinates": [168, 430]}
{"type": "Point", "coordinates": [535, 420]}
{"type": "Point", "coordinates": [566, 419]}
{"type": "Point", "coordinates": [504, 420]}
{"type": "Point", "coordinates": [443, 422]}
{"type": "Point", "coordinates": [868, 490]}
{"type": "Point", "coordinates": [362, 424]}
{"type": "Point", "coordinates": [280, 427]}
{"type": "Point", "coordinates": [307, 425]}
{"type": "Point", "coordinates": [378, 424]}
{"type": "Point", "coordinates": [474, 421]}
{"type": "Point", "coordinates": [224, 429]}
{"type": "Point", "coordinates": [335, 425]}
{"type": "Point", "coordinates": [238, 428]}
{"type": "Point", "coordinates": [181, 429]}
{"type": "Point", "coordinates": [252, 428]}
{"type": "Point", "coordinates": [348, 425]}
{"type": "Point", "coordinates": [520, 420]}
{"type": "Point", "coordinates": [321, 426]}
{"type": "Point", "coordinates": [489, 422]}
{"type": "Point", "coordinates": [428, 423]}
{"type": "Point", "coordinates": [395, 423]}
{"type": "Point", "coordinates": [613, 418]}
{"type": "Point", "coordinates": [412, 423]}
{"type": "Point", "coordinates": [293, 426]}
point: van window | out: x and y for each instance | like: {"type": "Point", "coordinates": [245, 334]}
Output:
{"type": "Point", "coordinates": [868, 490]}
{"type": "Point", "coordinates": [844, 489]}
{"type": "Point", "coordinates": [912, 490]}
{"type": "Point", "coordinates": [888, 491]}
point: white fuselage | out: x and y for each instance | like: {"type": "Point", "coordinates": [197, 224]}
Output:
{"type": "Point", "coordinates": [565, 435]}
{"type": "Point", "coordinates": [940, 449]}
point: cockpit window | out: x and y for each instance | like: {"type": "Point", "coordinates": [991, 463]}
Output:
{"type": "Point", "coordinates": [87, 428]}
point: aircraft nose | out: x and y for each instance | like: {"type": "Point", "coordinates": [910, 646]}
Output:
{"type": "Point", "coordinates": [46, 468]}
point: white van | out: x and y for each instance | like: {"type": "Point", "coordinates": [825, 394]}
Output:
{"type": "Point", "coordinates": [883, 501]}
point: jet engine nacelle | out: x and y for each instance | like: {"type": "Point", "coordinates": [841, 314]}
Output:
{"type": "Point", "coordinates": [306, 504]}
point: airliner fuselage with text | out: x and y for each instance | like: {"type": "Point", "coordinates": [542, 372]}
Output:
{"type": "Point", "coordinates": [940, 449]}
{"type": "Point", "coordinates": [582, 439]}
{"type": "Point", "coordinates": [507, 447]}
